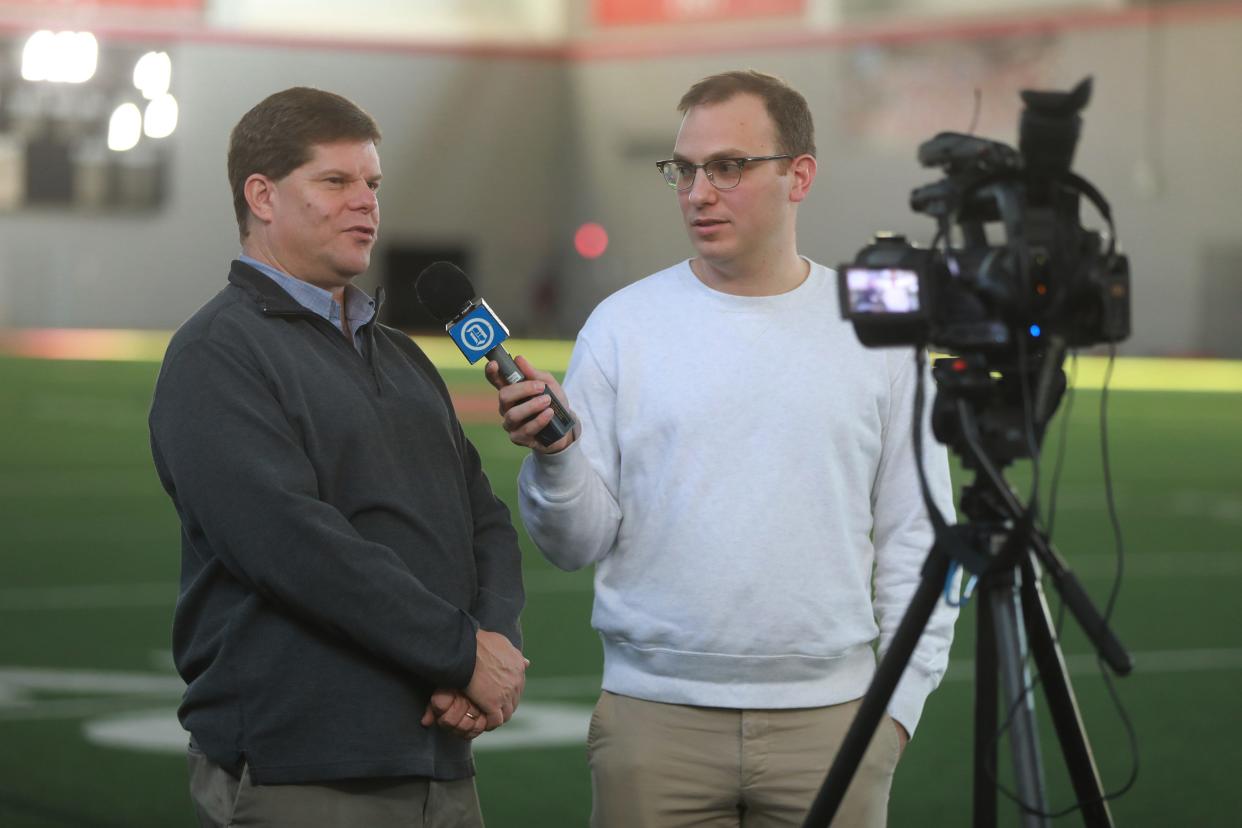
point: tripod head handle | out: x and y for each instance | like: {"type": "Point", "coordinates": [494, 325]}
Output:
{"type": "Point", "coordinates": [1093, 624]}
{"type": "Point", "coordinates": [1005, 505]}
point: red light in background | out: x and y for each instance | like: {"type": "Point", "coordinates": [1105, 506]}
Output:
{"type": "Point", "coordinates": [591, 240]}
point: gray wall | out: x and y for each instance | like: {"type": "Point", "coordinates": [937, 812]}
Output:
{"type": "Point", "coordinates": [1161, 140]}
{"type": "Point", "coordinates": [468, 142]}
{"type": "Point", "coordinates": [510, 154]}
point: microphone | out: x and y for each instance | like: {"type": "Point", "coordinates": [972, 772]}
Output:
{"type": "Point", "coordinates": [448, 296]}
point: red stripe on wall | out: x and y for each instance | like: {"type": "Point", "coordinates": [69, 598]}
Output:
{"type": "Point", "coordinates": [669, 44]}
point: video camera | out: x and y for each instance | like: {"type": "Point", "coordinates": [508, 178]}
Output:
{"type": "Point", "coordinates": [1008, 310]}
{"type": "Point", "coordinates": [1048, 277]}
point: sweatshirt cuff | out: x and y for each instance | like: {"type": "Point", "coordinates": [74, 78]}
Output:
{"type": "Point", "coordinates": [558, 476]}
{"type": "Point", "coordinates": [906, 704]}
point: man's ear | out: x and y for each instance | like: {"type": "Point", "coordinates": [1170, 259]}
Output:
{"type": "Point", "coordinates": [260, 194]}
{"type": "Point", "coordinates": [802, 169]}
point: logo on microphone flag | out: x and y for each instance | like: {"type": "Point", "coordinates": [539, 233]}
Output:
{"type": "Point", "coordinates": [478, 332]}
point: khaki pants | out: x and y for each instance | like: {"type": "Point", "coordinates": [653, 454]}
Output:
{"type": "Point", "coordinates": [671, 766]}
{"type": "Point", "coordinates": [222, 801]}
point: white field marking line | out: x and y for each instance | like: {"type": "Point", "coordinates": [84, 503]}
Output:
{"type": "Point", "coordinates": [89, 681]}
{"type": "Point", "coordinates": [124, 596]}
{"type": "Point", "coordinates": [535, 724]}
{"type": "Point", "coordinates": [1151, 661]}
{"type": "Point", "coordinates": [45, 710]}
{"type": "Point", "coordinates": [129, 683]}
{"type": "Point", "coordinates": [135, 684]}
{"type": "Point", "coordinates": [119, 691]}
{"type": "Point", "coordinates": [16, 683]}
{"type": "Point", "coordinates": [123, 691]}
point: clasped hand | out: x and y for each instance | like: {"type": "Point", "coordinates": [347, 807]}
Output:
{"type": "Point", "coordinates": [492, 695]}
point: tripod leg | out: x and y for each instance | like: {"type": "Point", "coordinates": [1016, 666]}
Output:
{"type": "Point", "coordinates": [1062, 706]}
{"type": "Point", "coordinates": [1019, 704]}
{"type": "Point", "coordinates": [875, 701]}
{"type": "Point", "coordinates": [985, 714]}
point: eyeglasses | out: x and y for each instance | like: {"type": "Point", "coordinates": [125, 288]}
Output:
{"type": "Point", "coordinates": [724, 173]}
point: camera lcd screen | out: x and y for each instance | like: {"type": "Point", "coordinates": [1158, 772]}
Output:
{"type": "Point", "coordinates": [882, 290]}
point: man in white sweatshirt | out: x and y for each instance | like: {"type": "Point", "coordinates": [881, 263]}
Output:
{"type": "Point", "coordinates": [748, 493]}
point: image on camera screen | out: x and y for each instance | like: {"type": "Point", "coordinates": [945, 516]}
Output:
{"type": "Point", "coordinates": [882, 290]}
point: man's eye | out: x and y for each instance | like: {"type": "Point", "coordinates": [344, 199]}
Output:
{"type": "Point", "coordinates": [726, 167]}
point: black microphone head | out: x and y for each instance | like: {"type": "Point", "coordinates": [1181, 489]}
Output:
{"type": "Point", "coordinates": [444, 291]}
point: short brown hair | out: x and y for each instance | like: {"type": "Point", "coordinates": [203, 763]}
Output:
{"type": "Point", "coordinates": [277, 135]}
{"type": "Point", "coordinates": [795, 131]}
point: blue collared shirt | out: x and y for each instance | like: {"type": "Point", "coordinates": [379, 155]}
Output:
{"type": "Point", "coordinates": [320, 302]}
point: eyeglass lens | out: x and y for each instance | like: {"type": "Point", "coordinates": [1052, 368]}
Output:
{"type": "Point", "coordinates": [725, 173]}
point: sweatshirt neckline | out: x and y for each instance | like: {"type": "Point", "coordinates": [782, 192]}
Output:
{"type": "Point", "coordinates": [731, 301]}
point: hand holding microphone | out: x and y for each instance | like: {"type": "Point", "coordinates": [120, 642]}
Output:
{"type": "Point", "coordinates": [528, 408]}
{"type": "Point", "coordinates": [532, 414]}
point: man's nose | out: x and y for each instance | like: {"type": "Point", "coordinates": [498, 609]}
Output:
{"type": "Point", "coordinates": [364, 198]}
{"type": "Point", "coordinates": [701, 187]}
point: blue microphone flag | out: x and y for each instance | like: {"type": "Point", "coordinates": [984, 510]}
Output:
{"type": "Point", "coordinates": [478, 332]}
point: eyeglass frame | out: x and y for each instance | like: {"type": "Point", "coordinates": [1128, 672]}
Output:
{"type": "Point", "coordinates": [741, 162]}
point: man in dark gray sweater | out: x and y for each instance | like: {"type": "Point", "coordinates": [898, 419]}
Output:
{"type": "Point", "coordinates": [350, 586]}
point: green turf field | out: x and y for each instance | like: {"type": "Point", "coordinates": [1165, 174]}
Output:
{"type": "Point", "coordinates": [88, 572]}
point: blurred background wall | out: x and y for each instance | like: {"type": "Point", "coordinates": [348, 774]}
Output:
{"type": "Point", "coordinates": [509, 125]}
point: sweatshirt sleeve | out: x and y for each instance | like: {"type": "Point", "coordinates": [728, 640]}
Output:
{"type": "Point", "coordinates": [903, 537]}
{"type": "Point", "coordinates": [247, 494]}
{"type": "Point", "coordinates": [569, 500]}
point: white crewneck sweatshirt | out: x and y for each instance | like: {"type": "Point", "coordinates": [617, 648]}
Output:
{"type": "Point", "coordinates": [745, 485]}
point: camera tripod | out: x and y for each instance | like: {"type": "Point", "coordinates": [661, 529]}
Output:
{"type": "Point", "coordinates": [1003, 549]}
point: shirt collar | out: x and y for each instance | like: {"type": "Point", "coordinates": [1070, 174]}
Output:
{"type": "Point", "coordinates": [315, 299]}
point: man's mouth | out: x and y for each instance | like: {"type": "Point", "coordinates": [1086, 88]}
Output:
{"type": "Point", "coordinates": [363, 230]}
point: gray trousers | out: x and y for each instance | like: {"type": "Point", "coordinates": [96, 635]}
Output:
{"type": "Point", "coordinates": [223, 801]}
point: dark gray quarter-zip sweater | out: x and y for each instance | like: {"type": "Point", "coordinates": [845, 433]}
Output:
{"type": "Point", "coordinates": [340, 542]}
